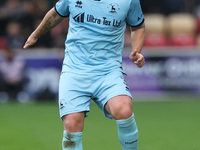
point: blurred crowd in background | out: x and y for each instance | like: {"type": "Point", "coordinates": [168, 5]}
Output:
{"type": "Point", "coordinates": [18, 18]}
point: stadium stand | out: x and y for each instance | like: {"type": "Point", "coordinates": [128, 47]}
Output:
{"type": "Point", "coordinates": [155, 30]}
{"type": "Point", "coordinates": [177, 29]}
{"type": "Point", "coordinates": [168, 25]}
{"type": "Point", "coordinates": [182, 29]}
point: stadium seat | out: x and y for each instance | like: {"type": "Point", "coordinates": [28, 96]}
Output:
{"type": "Point", "coordinates": [155, 30]}
{"type": "Point", "coordinates": [182, 29]}
{"type": "Point", "coordinates": [155, 23]}
{"type": "Point", "coordinates": [182, 23]}
{"type": "Point", "coordinates": [153, 40]}
{"type": "Point", "coordinates": [183, 40]}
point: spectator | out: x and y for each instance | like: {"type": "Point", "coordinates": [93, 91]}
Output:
{"type": "Point", "coordinates": [27, 21]}
{"type": "Point", "coordinates": [12, 10]}
{"type": "Point", "coordinates": [17, 21]}
{"type": "Point", "coordinates": [12, 74]}
{"type": "Point", "coordinates": [9, 10]}
{"type": "Point", "coordinates": [15, 40]}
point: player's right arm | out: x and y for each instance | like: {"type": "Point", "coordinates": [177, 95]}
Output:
{"type": "Point", "coordinates": [51, 19]}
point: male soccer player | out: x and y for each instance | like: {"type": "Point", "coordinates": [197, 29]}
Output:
{"type": "Point", "coordinates": [92, 64]}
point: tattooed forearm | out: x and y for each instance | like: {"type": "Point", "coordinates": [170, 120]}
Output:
{"type": "Point", "coordinates": [46, 27]}
{"type": "Point", "coordinates": [49, 22]}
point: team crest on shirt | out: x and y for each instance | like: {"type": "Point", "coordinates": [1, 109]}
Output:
{"type": "Point", "coordinates": [113, 8]}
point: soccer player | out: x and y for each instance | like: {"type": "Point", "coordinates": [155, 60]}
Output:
{"type": "Point", "coordinates": [92, 67]}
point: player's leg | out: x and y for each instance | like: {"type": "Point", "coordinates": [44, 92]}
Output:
{"type": "Point", "coordinates": [73, 127]}
{"type": "Point", "coordinates": [115, 100]}
{"type": "Point", "coordinates": [74, 122]}
{"type": "Point", "coordinates": [74, 102]}
{"type": "Point", "coordinates": [120, 107]}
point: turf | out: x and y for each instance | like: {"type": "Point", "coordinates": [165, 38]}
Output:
{"type": "Point", "coordinates": [163, 125]}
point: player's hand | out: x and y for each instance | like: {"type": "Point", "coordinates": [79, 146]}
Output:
{"type": "Point", "coordinates": [31, 41]}
{"type": "Point", "coordinates": [137, 59]}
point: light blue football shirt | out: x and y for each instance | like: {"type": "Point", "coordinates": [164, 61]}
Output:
{"type": "Point", "coordinates": [95, 37]}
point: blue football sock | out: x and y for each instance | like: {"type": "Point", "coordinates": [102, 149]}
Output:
{"type": "Point", "coordinates": [128, 133]}
{"type": "Point", "coordinates": [72, 141]}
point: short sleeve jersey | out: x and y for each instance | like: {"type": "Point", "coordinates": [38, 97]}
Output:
{"type": "Point", "coordinates": [95, 38]}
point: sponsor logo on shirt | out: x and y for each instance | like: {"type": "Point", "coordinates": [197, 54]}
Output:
{"type": "Point", "coordinates": [79, 18]}
{"type": "Point", "coordinates": [78, 4]}
{"type": "Point", "coordinates": [92, 19]}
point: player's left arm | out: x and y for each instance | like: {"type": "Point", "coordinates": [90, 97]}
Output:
{"type": "Point", "coordinates": [137, 41]}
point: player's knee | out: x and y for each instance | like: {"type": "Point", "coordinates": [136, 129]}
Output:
{"type": "Point", "coordinates": [73, 124]}
{"type": "Point", "coordinates": [122, 112]}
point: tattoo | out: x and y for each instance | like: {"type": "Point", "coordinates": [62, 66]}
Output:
{"type": "Point", "coordinates": [51, 22]}
{"type": "Point", "coordinates": [46, 27]}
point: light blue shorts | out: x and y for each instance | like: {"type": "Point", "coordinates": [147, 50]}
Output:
{"type": "Point", "coordinates": [76, 91]}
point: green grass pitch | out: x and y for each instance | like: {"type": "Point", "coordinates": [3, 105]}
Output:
{"type": "Point", "coordinates": [171, 124]}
